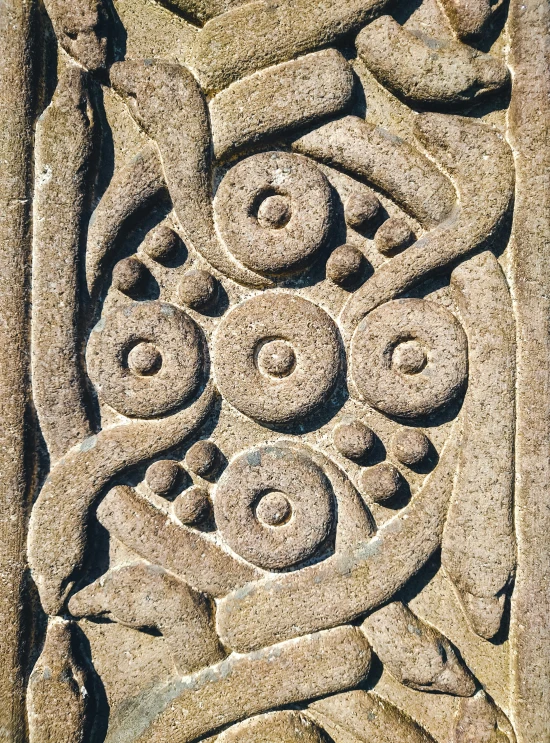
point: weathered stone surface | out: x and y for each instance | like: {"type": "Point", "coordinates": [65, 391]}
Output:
{"type": "Point", "coordinates": [284, 97]}
{"type": "Point", "coordinates": [274, 371]}
{"type": "Point", "coordinates": [426, 70]}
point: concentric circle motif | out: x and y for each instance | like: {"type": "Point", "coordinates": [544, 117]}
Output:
{"type": "Point", "coordinates": [409, 357]}
{"type": "Point", "coordinates": [276, 382]}
{"type": "Point", "coordinates": [274, 211]}
{"type": "Point", "coordinates": [274, 474]}
{"type": "Point", "coordinates": [123, 343]}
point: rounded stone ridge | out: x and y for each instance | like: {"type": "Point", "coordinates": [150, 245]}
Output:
{"type": "Point", "coordinates": [146, 358]}
{"type": "Point", "coordinates": [409, 357]}
{"type": "Point", "coordinates": [274, 211]}
{"type": "Point", "coordinates": [276, 357]}
{"type": "Point", "coordinates": [274, 506]}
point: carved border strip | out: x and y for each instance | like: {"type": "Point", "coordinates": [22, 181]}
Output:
{"type": "Point", "coordinates": [529, 118]}
{"type": "Point", "coordinates": [15, 169]}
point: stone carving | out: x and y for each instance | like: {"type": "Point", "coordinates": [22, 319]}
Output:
{"type": "Point", "coordinates": [265, 382]}
{"type": "Point", "coordinates": [275, 288]}
{"type": "Point", "coordinates": [416, 380]}
{"type": "Point", "coordinates": [422, 69]}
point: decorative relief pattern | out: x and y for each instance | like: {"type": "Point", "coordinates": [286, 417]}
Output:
{"type": "Point", "coordinates": [273, 360]}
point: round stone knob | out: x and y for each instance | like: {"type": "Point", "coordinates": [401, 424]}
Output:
{"type": "Point", "coordinates": [203, 458]}
{"type": "Point", "coordinates": [144, 359]}
{"type": "Point", "coordinates": [276, 359]}
{"type": "Point", "coordinates": [381, 483]}
{"type": "Point", "coordinates": [274, 212]}
{"type": "Point", "coordinates": [274, 509]}
{"type": "Point", "coordinates": [345, 265]}
{"type": "Point", "coordinates": [410, 446]}
{"type": "Point", "coordinates": [163, 476]}
{"type": "Point", "coordinates": [353, 440]}
{"type": "Point", "coordinates": [409, 357]}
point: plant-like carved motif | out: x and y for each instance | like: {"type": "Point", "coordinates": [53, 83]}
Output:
{"type": "Point", "coordinates": [274, 369]}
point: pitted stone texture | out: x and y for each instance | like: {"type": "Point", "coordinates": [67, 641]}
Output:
{"type": "Point", "coordinates": [274, 212]}
{"type": "Point", "coordinates": [381, 483]}
{"type": "Point", "coordinates": [165, 99]}
{"type": "Point", "coordinates": [146, 530]}
{"type": "Point", "coordinates": [345, 265]}
{"type": "Point", "coordinates": [122, 342]}
{"type": "Point", "coordinates": [280, 99]}
{"type": "Point", "coordinates": [354, 440]}
{"type": "Point", "coordinates": [259, 34]}
{"type": "Point", "coordinates": [203, 458]}
{"type": "Point", "coordinates": [197, 289]}
{"type": "Point", "coordinates": [276, 358]}
{"type": "Point", "coordinates": [415, 653]}
{"type": "Point", "coordinates": [192, 505]}
{"type": "Point", "coordinates": [238, 506]}
{"type": "Point", "coordinates": [399, 388]}
{"type": "Point", "coordinates": [478, 546]}
{"type": "Point", "coordinates": [271, 398]}
{"type": "Point", "coordinates": [328, 661]}
{"type": "Point", "coordinates": [59, 704]}
{"type": "Point", "coordinates": [394, 235]}
{"type": "Point", "coordinates": [81, 30]}
{"type": "Point", "coordinates": [461, 145]}
{"type": "Point", "coordinates": [201, 10]}
{"type": "Point", "coordinates": [62, 167]}
{"type": "Point", "coordinates": [140, 595]}
{"type": "Point", "coordinates": [388, 162]}
{"type": "Point", "coordinates": [247, 233]}
{"type": "Point", "coordinates": [60, 516]}
{"type": "Point", "coordinates": [163, 476]}
{"type": "Point", "coordinates": [471, 18]}
{"type": "Point", "coordinates": [410, 446]}
{"type": "Point", "coordinates": [425, 70]}
{"type": "Point", "coordinates": [260, 183]}
{"type": "Point", "coordinates": [363, 717]}
{"type": "Point", "coordinates": [361, 209]}
{"type": "Point", "coordinates": [131, 189]}
{"type": "Point", "coordinates": [479, 719]}
{"type": "Point", "coordinates": [130, 276]}
{"type": "Point", "coordinates": [283, 727]}
{"type": "Point", "coordinates": [162, 244]}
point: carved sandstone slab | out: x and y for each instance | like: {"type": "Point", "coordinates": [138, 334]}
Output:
{"type": "Point", "coordinates": [274, 371]}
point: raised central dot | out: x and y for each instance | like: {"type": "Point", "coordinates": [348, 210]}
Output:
{"type": "Point", "coordinates": [274, 509]}
{"type": "Point", "coordinates": [274, 212]}
{"type": "Point", "coordinates": [276, 359]}
{"type": "Point", "coordinates": [144, 359]}
{"type": "Point", "coordinates": [409, 357]}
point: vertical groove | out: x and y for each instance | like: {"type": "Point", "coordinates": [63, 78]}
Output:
{"type": "Point", "coordinates": [15, 169]}
{"type": "Point", "coordinates": [529, 25]}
